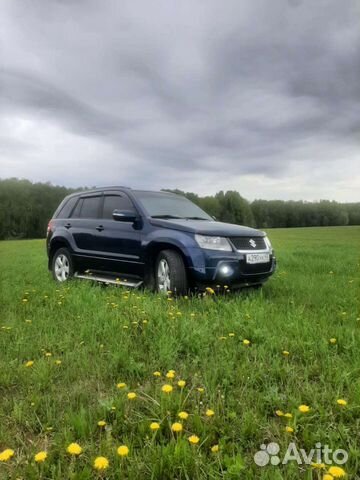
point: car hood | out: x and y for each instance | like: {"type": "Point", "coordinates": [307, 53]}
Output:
{"type": "Point", "coordinates": [208, 227]}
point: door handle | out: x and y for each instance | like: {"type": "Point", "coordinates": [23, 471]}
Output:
{"type": "Point", "coordinates": [99, 228]}
{"type": "Point", "coordinates": [68, 225]}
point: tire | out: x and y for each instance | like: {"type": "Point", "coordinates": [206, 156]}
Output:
{"type": "Point", "coordinates": [62, 266]}
{"type": "Point", "coordinates": [170, 273]}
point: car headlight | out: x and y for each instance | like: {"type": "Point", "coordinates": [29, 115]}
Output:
{"type": "Point", "coordinates": [268, 243]}
{"type": "Point", "coordinates": [213, 243]}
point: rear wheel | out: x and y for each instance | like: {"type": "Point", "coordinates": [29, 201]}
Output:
{"type": "Point", "coordinates": [62, 265]}
{"type": "Point", "coordinates": [170, 273]}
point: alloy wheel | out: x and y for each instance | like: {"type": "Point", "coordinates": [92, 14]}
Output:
{"type": "Point", "coordinates": [163, 275]}
{"type": "Point", "coordinates": [62, 268]}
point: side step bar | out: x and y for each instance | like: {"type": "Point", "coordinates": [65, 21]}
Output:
{"type": "Point", "coordinates": [109, 280]}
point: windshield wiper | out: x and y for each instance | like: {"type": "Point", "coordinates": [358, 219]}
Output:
{"type": "Point", "coordinates": [196, 218]}
{"type": "Point", "coordinates": [166, 217]}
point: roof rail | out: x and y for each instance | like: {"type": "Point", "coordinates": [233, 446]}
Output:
{"type": "Point", "coordinates": [114, 186]}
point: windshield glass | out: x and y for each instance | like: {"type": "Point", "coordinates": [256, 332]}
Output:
{"type": "Point", "coordinates": [165, 205]}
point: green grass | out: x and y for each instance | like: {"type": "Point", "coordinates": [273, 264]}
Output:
{"type": "Point", "coordinates": [106, 335]}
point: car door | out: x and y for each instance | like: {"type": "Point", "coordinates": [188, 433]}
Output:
{"type": "Point", "coordinates": [120, 241]}
{"type": "Point", "coordinates": [83, 226]}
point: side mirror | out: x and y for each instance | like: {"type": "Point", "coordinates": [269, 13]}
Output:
{"type": "Point", "coordinates": [124, 215]}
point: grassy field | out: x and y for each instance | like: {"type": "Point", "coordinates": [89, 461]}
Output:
{"type": "Point", "coordinates": [85, 341]}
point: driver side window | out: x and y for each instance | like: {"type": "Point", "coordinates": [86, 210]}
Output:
{"type": "Point", "coordinates": [116, 202]}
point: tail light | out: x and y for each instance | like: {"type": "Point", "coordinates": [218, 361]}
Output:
{"type": "Point", "coordinates": [48, 230]}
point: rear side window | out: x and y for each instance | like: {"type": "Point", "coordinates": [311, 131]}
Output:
{"type": "Point", "coordinates": [87, 207]}
{"type": "Point", "coordinates": [66, 210]}
{"type": "Point", "coordinates": [76, 212]}
{"type": "Point", "coordinates": [116, 202]}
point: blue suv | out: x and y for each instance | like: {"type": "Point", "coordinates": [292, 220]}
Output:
{"type": "Point", "coordinates": [158, 239]}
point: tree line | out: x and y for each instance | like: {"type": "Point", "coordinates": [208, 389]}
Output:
{"type": "Point", "coordinates": [26, 207]}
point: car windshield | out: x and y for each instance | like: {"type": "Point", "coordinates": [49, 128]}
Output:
{"type": "Point", "coordinates": [170, 206]}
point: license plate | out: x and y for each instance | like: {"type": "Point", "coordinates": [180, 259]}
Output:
{"type": "Point", "coordinates": [257, 258]}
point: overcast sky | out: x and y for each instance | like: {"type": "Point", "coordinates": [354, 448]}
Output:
{"type": "Point", "coordinates": [257, 96]}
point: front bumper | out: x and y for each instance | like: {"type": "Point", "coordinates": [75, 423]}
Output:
{"type": "Point", "coordinates": [228, 268]}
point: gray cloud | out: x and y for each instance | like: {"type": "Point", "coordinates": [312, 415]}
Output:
{"type": "Point", "coordinates": [258, 96]}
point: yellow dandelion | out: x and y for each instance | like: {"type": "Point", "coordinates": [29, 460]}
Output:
{"type": "Point", "coordinates": [57, 362]}
{"type": "Point", "coordinates": [176, 427]}
{"type": "Point", "coordinates": [279, 413]}
{"type": "Point", "coordinates": [286, 353]}
{"type": "Point", "coordinates": [167, 388]}
{"type": "Point", "coordinates": [170, 374]}
{"type": "Point", "coordinates": [6, 455]}
{"type": "Point", "coordinates": [183, 415]}
{"type": "Point", "coordinates": [209, 412]}
{"type": "Point", "coordinates": [29, 364]}
{"type": "Point", "coordinates": [337, 472]}
{"type": "Point", "coordinates": [289, 429]}
{"type": "Point", "coordinates": [341, 402]}
{"type": "Point", "coordinates": [215, 448]}
{"type": "Point", "coordinates": [246, 341]}
{"type": "Point", "coordinates": [154, 426]}
{"type": "Point", "coordinates": [121, 385]}
{"type": "Point", "coordinates": [40, 457]}
{"type": "Point", "coordinates": [327, 476]}
{"type": "Point", "coordinates": [318, 466]}
{"type": "Point", "coordinates": [181, 383]}
{"type": "Point", "coordinates": [123, 451]}
{"type": "Point", "coordinates": [200, 389]}
{"type": "Point", "coordinates": [74, 449]}
{"type": "Point", "coordinates": [288, 415]}
{"type": "Point", "coordinates": [157, 374]}
{"type": "Point", "coordinates": [210, 290]}
{"type": "Point", "coordinates": [48, 354]}
{"type": "Point", "coordinates": [101, 463]}
{"type": "Point", "coordinates": [304, 409]}
{"type": "Point", "coordinates": [332, 341]}
{"type": "Point", "coordinates": [131, 395]}
{"type": "Point", "coordinates": [101, 423]}
{"type": "Point", "coordinates": [194, 439]}
{"type": "Point", "coordinates": [231, 334]}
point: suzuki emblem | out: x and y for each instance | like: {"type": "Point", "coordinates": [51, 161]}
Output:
{"type": "Point", "coordinates": [252, 243]}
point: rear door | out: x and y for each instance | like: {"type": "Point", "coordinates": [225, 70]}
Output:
{"type": "Point", "coordinates": [83, 225]}
{"type": "Point", "coordinates": [120, 241]}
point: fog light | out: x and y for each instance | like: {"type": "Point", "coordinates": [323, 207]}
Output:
{"type": "Point", "coordinates": [226, 270]}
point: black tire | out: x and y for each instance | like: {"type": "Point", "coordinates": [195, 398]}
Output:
{"type": "Point", "coordinates": [176, 272]}
{"type": "Point", "coordinates": [68, 265]}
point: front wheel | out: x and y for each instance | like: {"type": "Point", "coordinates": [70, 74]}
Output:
{"type": "Point", "coordinates": [62, 265]}
{"type": "Point", "coordinates": [170, 273]}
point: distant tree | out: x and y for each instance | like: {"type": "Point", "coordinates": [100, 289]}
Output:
{"type": "Point", "coordinates": [234, 208]}
{"type": "Point", "coordinates": [26, 207]}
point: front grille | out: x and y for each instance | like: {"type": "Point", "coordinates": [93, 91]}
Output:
{"type": "Point", "coordinates": [249, 243]}
{"type": "Point", "coordinates": [256, 268]}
